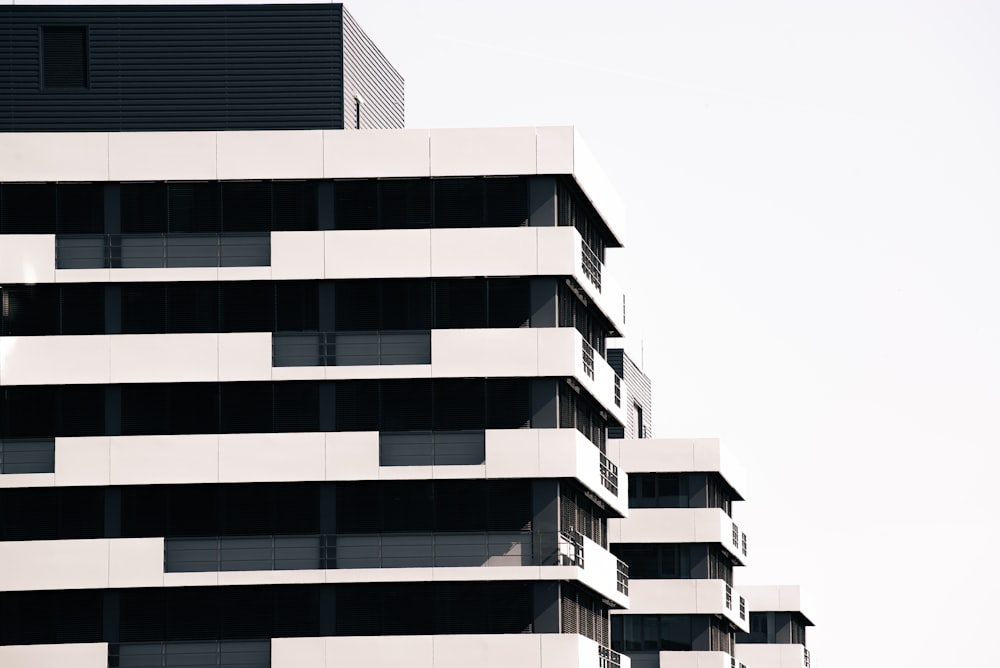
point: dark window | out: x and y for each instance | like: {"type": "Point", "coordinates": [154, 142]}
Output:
{"type": "Point", "coordinates": [405, 203]}
{"type": "Point", "coordinates": [294, 205]}
{"type": "Point", "coordinates": [144, 208]}
{"type": "Point", "coordinates": [246, 206]}
{"type": "Point", "coordinates": [460, 303]}
{"type": "Point", "coordinates": [192, 308]}
{"type": "Point", "coordinates": [506, 202]}
{"type": "Point", "coordinates": [248, 307]}
{"type": "Point", "coordinates": [194, 207]}
{"type": "Point", "coordinates": [82, 308]}
{"type": "Point", "coordinates": [64, 57]}
{"type": "Point", "coordinates": [144, 308]}
{"type": "Point", "coordinates": [458, 203]}
{"type": "Point", "coordinates": [81, 208]}
{"type": "Point", "coordinates": [29, 208]}
{"type": "Point", "coordinates": [356, 205]}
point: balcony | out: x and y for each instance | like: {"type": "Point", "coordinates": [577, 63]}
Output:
{"type": "Point", "coordinates": [783, 656]}
{"type": "Point", "coordinates": [397, 550]}
{"type": "Point", "coordinates": [689, 597]}
{"type": "Point", "coordinates": [154, 251]}
{"type": "Point", "coordinates": [679, 525]}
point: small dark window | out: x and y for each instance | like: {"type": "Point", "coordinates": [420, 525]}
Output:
{"type": "Point", "coordinates": [64, 57]}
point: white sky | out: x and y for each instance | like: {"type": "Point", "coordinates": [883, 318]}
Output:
{"type": "Point", "coordinates": [814, 228]}
{"type": "Point", "coordinates": [814, 233]}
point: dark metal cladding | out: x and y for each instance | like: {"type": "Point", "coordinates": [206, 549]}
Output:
{"type": "Point", "coordinates": [193, 67]}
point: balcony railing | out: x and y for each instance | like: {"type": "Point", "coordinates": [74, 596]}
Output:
{"type": "Point", "coordinates": [27, 455]}
{"type": "Point", "coordinates": [242, 653]}
{"type": "Point", "coordinates": [395, 550]}
{"type": "Point", "coordinates": [622, 577]}
{"type": "Point", "coordinates": [608, 658]}
{"type": "Point", "coordinates": [591, 265]}
{"type": "Point", "coordinates": [351, 348]}
{"type": "Point", "coordinates": [154, 251]}
{"type": "Point", "coordinates": [588, 359]}
{"type": "Point", "coordinates": [609, 474]}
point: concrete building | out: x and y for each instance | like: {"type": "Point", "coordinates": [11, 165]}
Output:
{"type": "Point", "coordinates": [277, 392]}
{"type": "Point", "coordinates": [777, 635]}
{"type": "Point", "coordinates": [681, 545]}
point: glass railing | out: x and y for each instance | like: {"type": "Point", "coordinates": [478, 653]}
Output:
{"type": "Point", "coordinates": [388, 550]}
{"type": "Point", "coordinates": [27, 455]}
{"type": "Point", "coordinates": [351, 348]}
{"type": "Point", "coordinates": [155, 251]}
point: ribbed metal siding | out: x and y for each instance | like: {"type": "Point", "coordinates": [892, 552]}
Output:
{"type": "Point", "coordinates": [369, 74]}
{"type": "Point", "coordinates": [639, 392]}
{"type": "Point", "coordinates": [184, 67]}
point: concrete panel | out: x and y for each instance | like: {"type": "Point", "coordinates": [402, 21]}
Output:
{"type": "Point", "coordinates": [163, 275]}
{"type": "Point", "coordinates": [507, 251]}
{"type": "Point", "coordinates": [298, 653]}
{"type": "Point", "coordinates": [243, 273]}
{"type": "Point", "coordinates": [364, 371]}
{"type": "Point", "coordinates": [558, 350]}
{"type": "Point", "coordinates": [554, 150]}
{"type": "Point", "coordinates": [162, 156]}
{"type": "Point", "coordinates": [296, 255]}
{"type": "Point", "coordinates": [352, 455]}
{"type": "Point", "coordinates": [276, 154]}
{"type": "Point", "coordinates": [54, 360]}
{"type": "Point", "coordinates": [82, 275]}
{"type": "Point", "coordinates": [77, 655]}
{"type": "Point", "coordinates": [8, 480]}
{"type": "Point", "coordinates": [597, 186]}
{"type": "Point", "coordinates": [559, 250]}
{"type": "Point", "coordinates": [53, 564]}
{"type": "Point", "coordinates": [465, 353]}
{"type": "Point", "coordinates": [164, 358]}
{"type": "Point", "coordinates": [512, 453]}
{"type": "Point", "coordinates": [27, 258]}
{"type": "Point", "coordinates": [459, 651]}
{"type": "Point", "coordinates": [244, 356]}
{"type": "Point", "coordinates": [557, 451]}
{"type": "Point", "coordinates": [381, 652]}
{"type": "Point", "coordinates": [83, 461]}
{"type": "Point", "coordinates": [271, 457]}
{"type": "Point", "coordinates": [369, 153]}
{"type": "Point", "coordinates": [160, 460]}
{"type": "Point", "coordinates": [54, 156]}
{"type": "Point", "coordinates": [378, 253]}
{"type": "Point", "coordinates": [210, 579]}
{"type": "Point", "coordinates": [135, 562]}
{"type": "Point", "coordinates": [476, 152]}
{"type": "Point", "coordinates": [563, 649]}
{"type": "Point", "coordinates": [771, 656]}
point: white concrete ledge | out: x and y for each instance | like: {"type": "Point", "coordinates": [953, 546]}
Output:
{"type": "Point", "coordinates": [313, 456]}
{"type": "Point", "coordinates": [234, 154]}
{"type": "Point", "coordinates": [686, 597]}
{"type": "Point", "coordinates": [77, 655]}
{"type": "Point", "coordinates": [680, 455]}
{"type": "Point", "coordinates": [676, 525]}
{"type": "Point", "coordinates": [525, 650]}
